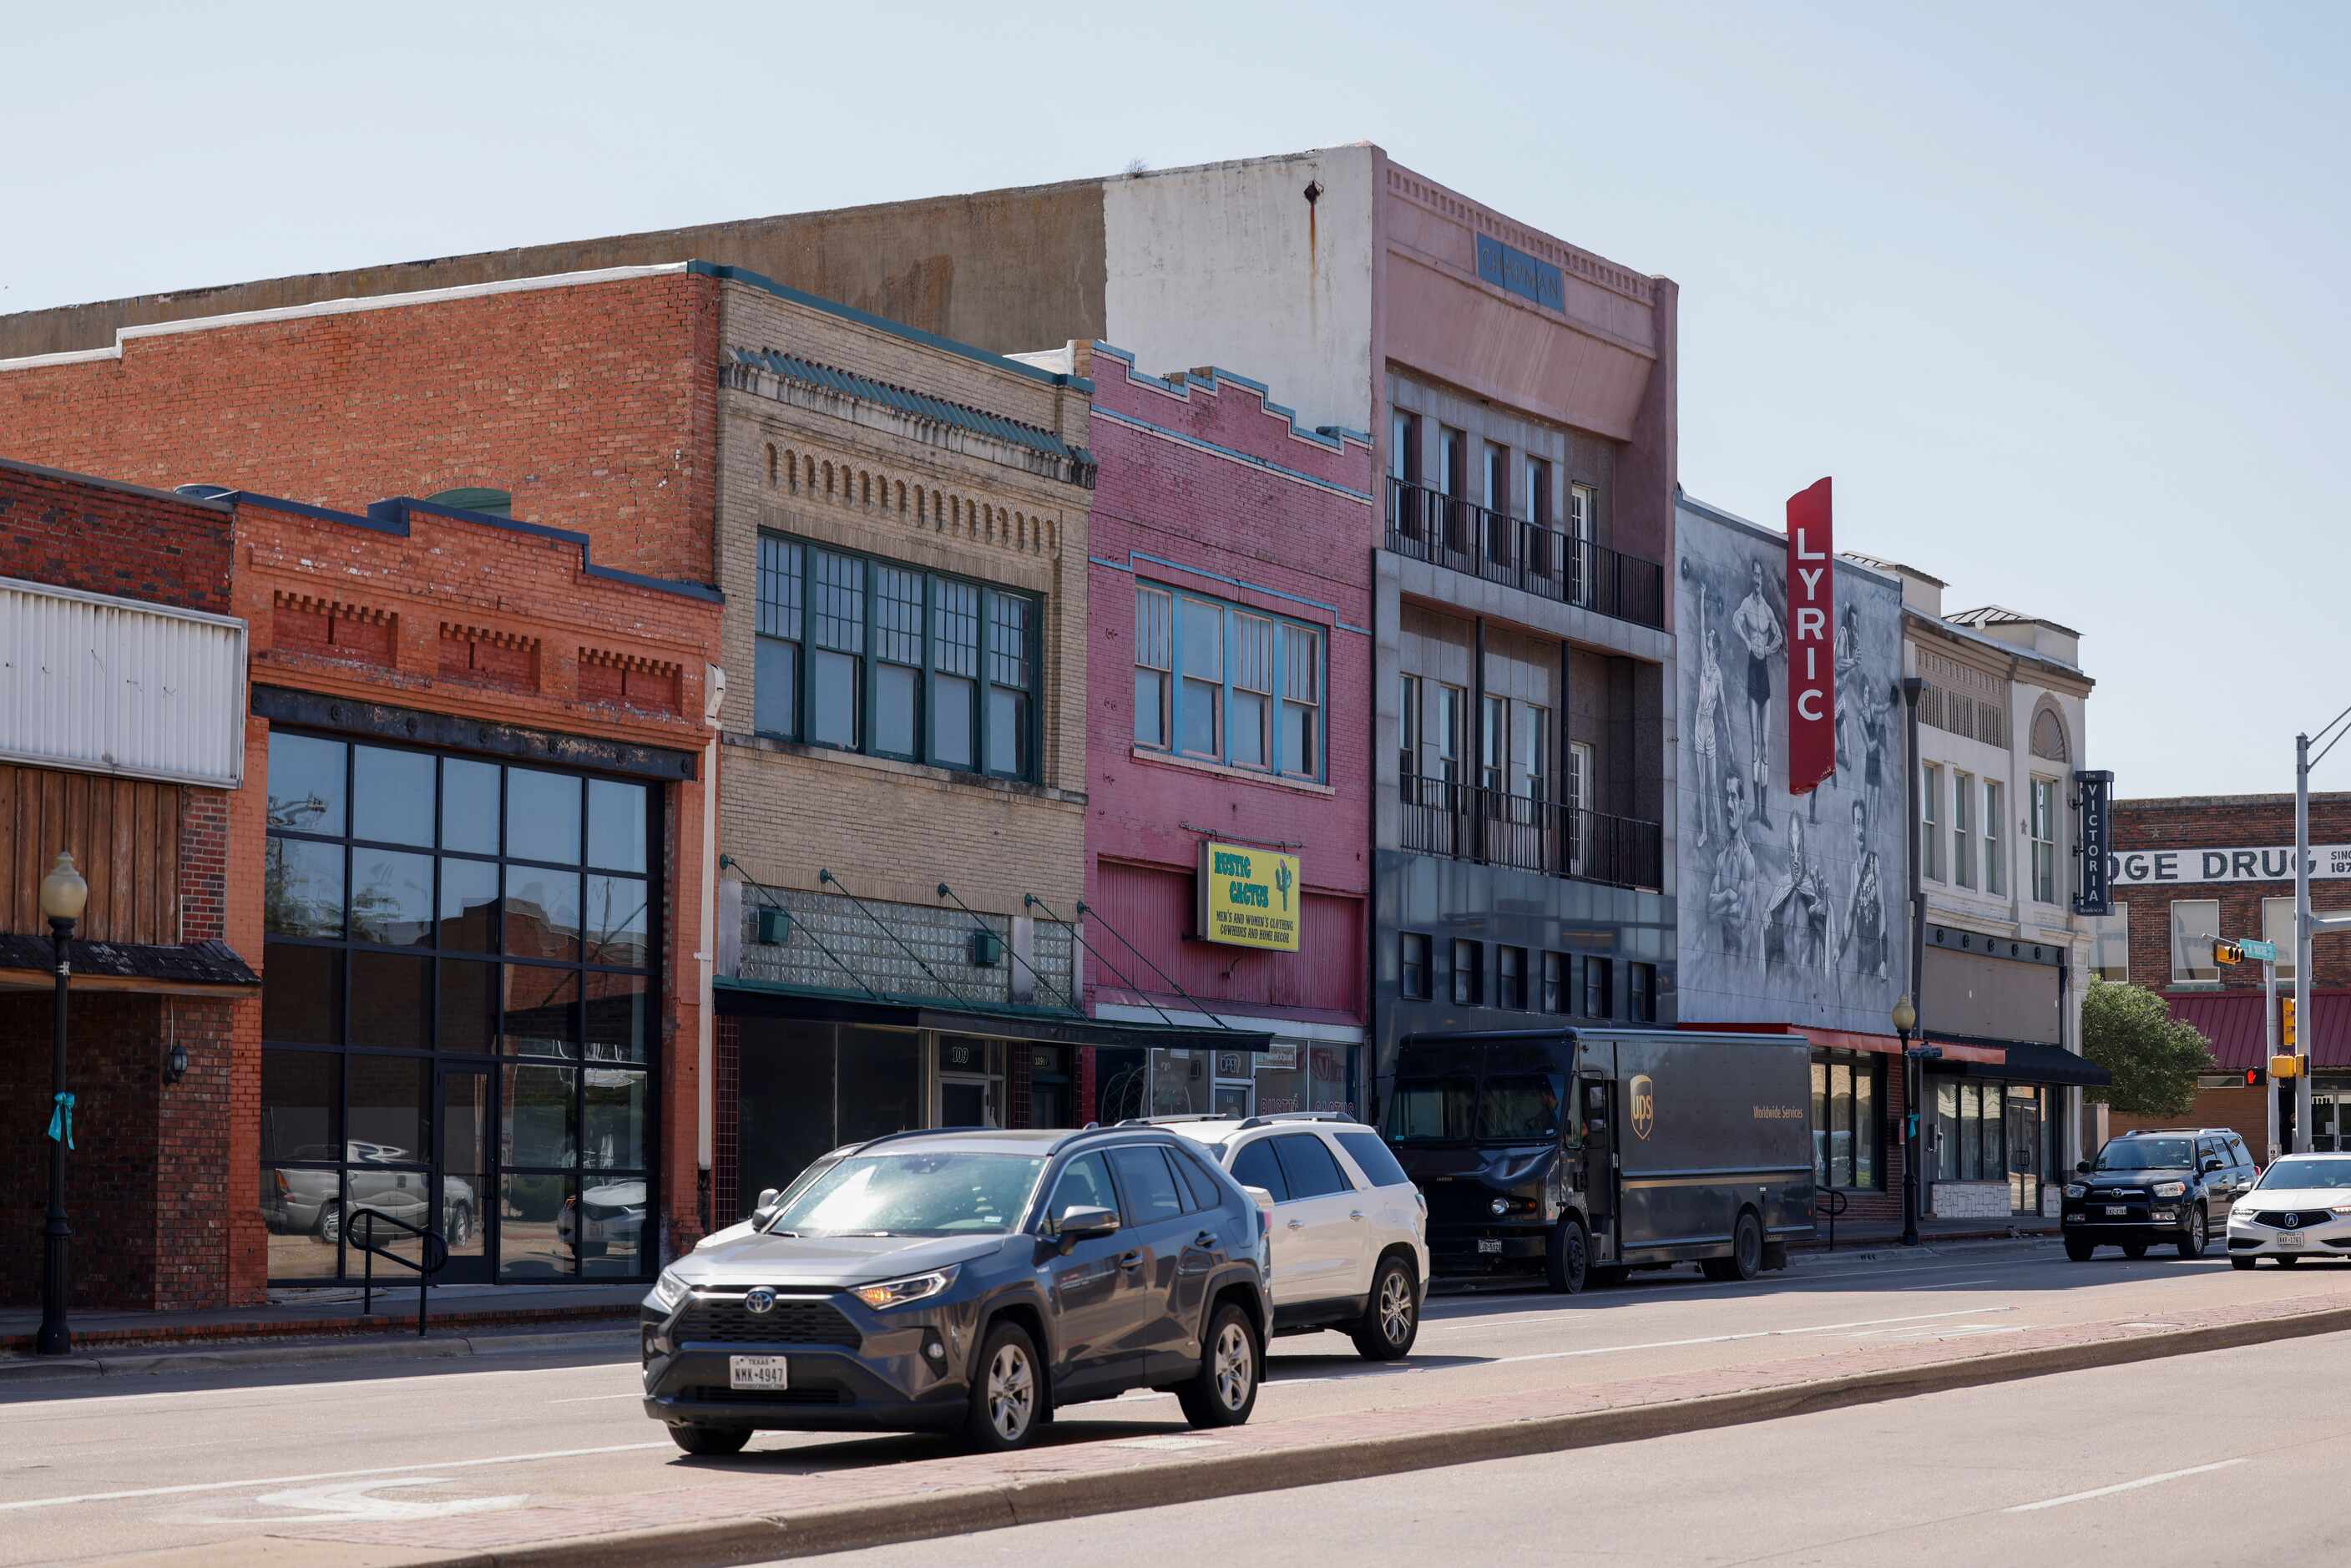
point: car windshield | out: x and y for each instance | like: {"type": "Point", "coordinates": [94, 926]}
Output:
{"type": "Point", "coordinates": [1518, 1108]}
{"type": "Point", "coordinates": [2307, 1174]}
{"type": "Point", "coordinates": [1432, 1111]}
{"type": "Point", "coordinates": [914, 1195]}
{"type": "Point", "coordinates": [2146, 1154]}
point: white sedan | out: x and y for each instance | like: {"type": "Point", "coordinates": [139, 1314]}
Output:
{"type": "Point", "coordinates": [2301, 1207]}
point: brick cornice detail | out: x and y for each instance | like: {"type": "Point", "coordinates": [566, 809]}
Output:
{"type": "Point", "coordinates": [519, 642]}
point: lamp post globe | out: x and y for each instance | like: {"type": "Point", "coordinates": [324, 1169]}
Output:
{"type": "Point", "coordinates": [64, 894]}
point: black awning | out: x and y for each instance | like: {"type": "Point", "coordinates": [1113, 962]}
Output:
{"type": "Point", "coordinates": [1044, 1026]}
{"type": "Point", "coordinates": [2028, 1062]}
{"type": "Point", "coordinates": [156, 967]}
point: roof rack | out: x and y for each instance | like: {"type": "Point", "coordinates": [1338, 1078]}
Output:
{"type": "Point", "coordinates": [1166, 1121]}
{"type": "Point", "coordinates": [1298, 1117]}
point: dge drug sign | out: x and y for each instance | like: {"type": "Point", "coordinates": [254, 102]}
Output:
{"type": "Point", "coordinates": [1249, 897]}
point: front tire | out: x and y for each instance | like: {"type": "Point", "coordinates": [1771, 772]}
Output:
{"type": "Point", "coordinates": [1224, 1391]}
{"type": "Point", "coordinates": [1746, 1260]}
{"type": "Point", "coordinates": [709, 1442]}
{"type": "Point", "coordinates": [1567, 1262]}
{"type": "Point", "coordinates": [1008, 1394]}
{"type": "Point", "coordinates": [2192, 1243]}
{"type": "Point", "coordinates": [1391, 1319]}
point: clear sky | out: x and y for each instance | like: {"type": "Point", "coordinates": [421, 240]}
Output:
{"type": "Point", "coordinates": [2054, 291]}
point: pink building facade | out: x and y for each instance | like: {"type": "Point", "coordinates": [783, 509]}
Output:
{"type": "Point", "coordinates": [1229, 663]}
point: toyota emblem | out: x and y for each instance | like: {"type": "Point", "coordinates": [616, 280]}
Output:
{"type": "Point", "coordinates": [758, 1299]}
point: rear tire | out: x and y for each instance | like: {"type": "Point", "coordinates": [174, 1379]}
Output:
{"type": "Point", "coordinates": [1008, 1393]}
{"type": "Point", "coordinates": [2078, 1250]}
{"type": "Point", "coordinates": [2192, 1243]}
{"type": "Point", "coordinates": [1391, 1319]}
{"type": "Point", "coordinates": [1746, 1260]}
{"type": "Point", "coordinates": [709, 1442]}
{"type": "Point", "coordinates": [1232, 1363]}
{"type": "Point", "coordinates": [1567, 1262]}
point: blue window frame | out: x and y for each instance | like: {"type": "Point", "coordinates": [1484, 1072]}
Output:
{"type": "Point", "coordinates": [869, 655]}
{"type": "Point", "coordinates": [1231, 685]}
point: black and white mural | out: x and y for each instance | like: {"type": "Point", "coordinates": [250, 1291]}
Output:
{"type": "Point", "coordinates": [1792, 908]}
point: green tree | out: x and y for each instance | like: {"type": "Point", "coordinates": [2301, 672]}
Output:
{"type": "Point", "coordinates": [2154, 1057]}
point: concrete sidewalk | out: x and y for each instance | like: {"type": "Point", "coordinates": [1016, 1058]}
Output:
{"type": "Point", "coordinates": [329, 1313]}
{"type": "Point", "coordinates": [762, 1506]}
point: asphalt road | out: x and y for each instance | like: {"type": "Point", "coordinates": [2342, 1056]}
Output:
{"type": "Point", "coordinates": [97, 1469]}
{"type": "Point", "coordinates": [2196, 1460]}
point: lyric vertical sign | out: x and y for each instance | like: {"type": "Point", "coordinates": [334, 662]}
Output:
{"type": "Point", "coordinates": [1812, 640]}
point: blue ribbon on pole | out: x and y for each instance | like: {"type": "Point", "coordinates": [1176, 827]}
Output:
{"type": "Point", "coordinates": [61, 1120]}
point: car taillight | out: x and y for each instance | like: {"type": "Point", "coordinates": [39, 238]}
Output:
{"type": "Point", "coordinates": [281, 1182]}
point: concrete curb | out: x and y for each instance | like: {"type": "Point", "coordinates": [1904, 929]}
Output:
{"type": "Point", "coordinates": [30, 1369]}
{"type": "Point", "coordinates": [929, 1515]}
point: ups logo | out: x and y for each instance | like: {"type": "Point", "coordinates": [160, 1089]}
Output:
{"type": "Point", "coordinates": [1644, 1105]}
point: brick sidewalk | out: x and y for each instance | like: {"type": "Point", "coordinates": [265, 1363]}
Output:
{"type": "Point", "coordinates": [774, 1486]}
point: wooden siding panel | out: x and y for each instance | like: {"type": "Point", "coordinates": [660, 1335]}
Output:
{"type": "Point", "coordinates": [124, 834]}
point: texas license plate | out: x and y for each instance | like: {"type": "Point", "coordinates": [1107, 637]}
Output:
{"type": "Point", "coordinates": [758, 1372]}
{"type": "Point", "coordinates": [2117, 1208]}
{"type": "Point", "coordinates": [1489, 1244]}
{"type": "Point", "coordinates": [2288, 1237]}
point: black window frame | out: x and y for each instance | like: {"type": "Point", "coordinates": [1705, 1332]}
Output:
{"type": "Point", "coordinates": [1595, 990]}
{"type": "Point", "coordinates": [499, 1056]}
{"type": "Point", "coordinates": [1821, 1105]}
{"type": "Point", "coordinates": [790, 618]}
{"type": "Point", "coordinates": [1471, 993]}
{"type": "Point", "coordinates": [1558, 984]}
{"type": "Point", "coordinates": [1507, 995]}
{"type": "Point", "coordinates": [1640, 992]}
{"type": "Point", "coordinates": [1408, 943]}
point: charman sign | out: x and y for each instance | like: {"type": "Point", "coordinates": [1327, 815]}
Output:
{"type": "Point", "coordinates": [2146, 868]}
{"type": "Point", "coordinates": [1249, 897]}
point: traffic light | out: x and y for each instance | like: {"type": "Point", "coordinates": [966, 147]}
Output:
{"type": "Point", "coordinates": [2286, 1038]}
{"type": "Point", "coordinates": [2227, 952]}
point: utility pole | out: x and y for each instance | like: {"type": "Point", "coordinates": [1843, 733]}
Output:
{"type": "Point", "coordinates": [2270, 1030]}
{"type": "Point", "coordinates": [2303, 989]}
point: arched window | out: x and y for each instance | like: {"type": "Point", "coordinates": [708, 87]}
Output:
{"type": "Point", "coordinates": [473, 498]}
{"type": "Point", "coordinates": [2049, 737]}
{"type": "Point", "coordinates": [771, 465]}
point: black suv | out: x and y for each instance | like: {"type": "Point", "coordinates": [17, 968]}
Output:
{"type": "Point", "coordinates": [2162, 1185]}
{"type": "Point", "coordinates": [969, 1281]}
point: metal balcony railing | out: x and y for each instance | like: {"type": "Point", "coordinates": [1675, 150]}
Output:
{"type": "Point", "coordinates": [1493, 826]}
{"type": "Point", "coordinates": [1461, 535]}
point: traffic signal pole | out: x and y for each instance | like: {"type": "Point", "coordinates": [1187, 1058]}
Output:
{"type": "Point", "coordinates": [2270, 1026]}
{"type": "Point", "coordinates": [2303, 991]}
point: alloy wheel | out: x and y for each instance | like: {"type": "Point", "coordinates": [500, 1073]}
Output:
{"type": "Point", "coordinates": [1236, 1366]}
{"type": "Point", "coordinates": [1011, 1393]}
{"type": "Point", "coordinates": [1396, 1306]}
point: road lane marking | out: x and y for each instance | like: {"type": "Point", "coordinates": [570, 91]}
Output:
{"type": "Point", "coordinates": [2119, 1487]}
{"type": "Point", "coordinates": [83, 1402]}
{"type": "Point", "coordinates": [593, 1398]}
{"type": "Point", "coordinates": [1950, 1284]}
{"type": "Point", "coordinates": [1726, 1338]}
{"type": "Point", "coordinates": [191, 1486]}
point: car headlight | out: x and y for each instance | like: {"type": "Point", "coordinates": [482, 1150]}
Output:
{"type": "Point", "coordinates": [2340, 1208]}
{"type": "Point", "coordinates": [898, 1292]}
{"type": "Point", "coordinates": [669, 1290]}
{"type": "Point", "coordinates": [2076, 1189]}
{"type": "Point", "coordinates": [2169, 1189]}
{"type": "Point", "coordinates": [2245, 1213]}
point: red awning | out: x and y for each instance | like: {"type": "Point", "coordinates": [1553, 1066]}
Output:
{"type": "Point", "coordinates": [2232, 1022]}
{"type": "Point", "coordinates": [1845, 1040]}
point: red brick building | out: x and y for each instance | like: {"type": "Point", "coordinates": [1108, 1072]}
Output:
{"type": "Point", "coordinates": [2189, 869]}
{"type": "Point", "coordinates": [132, 774]}
{"type": "Point", "coordinates": [1229, 662]}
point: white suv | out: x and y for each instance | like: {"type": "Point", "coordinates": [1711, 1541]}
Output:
{"type": "Point", "coordinates": [1350, 1230]}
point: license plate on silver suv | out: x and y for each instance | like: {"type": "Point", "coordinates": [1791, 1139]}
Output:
{"type": "Point", "coordinates": [758, 1372]}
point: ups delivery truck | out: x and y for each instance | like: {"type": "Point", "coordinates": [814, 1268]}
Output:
{"type": "Point", "coordinates": [1583, 1153]}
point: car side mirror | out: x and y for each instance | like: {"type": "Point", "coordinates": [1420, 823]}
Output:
{"type": "Point", "coordinates": [2081, 1167]}
{"type": "Point", "coordinates": [1081, 1222]}
{"type": "Point", "coordinates": [2212, 1164]}
{"type": "Point", "coordinates": [765, 1210]}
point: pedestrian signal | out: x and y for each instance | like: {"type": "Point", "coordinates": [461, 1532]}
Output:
{"type": "Point", "coordinates": [2252, 1078]}
{"type": "Point", "coordinates": [2286, 1067]}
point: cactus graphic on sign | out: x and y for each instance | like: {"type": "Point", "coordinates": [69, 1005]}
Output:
{"type": "Point", "coordinates": [1282, 879]}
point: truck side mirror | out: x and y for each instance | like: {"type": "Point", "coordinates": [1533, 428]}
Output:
{"type": "Point", "coordinates": [2081, 1167]}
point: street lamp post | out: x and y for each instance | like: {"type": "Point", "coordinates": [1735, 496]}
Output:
{"type": "Point", "coordinates": [1905, 1019]}
{"type": "Point", "coordinates": [63, 894]}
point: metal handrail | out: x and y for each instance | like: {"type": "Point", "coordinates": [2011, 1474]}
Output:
{"type": "Point", "coordinates": [1494, 827]}
{"type": "Point", "coordinates": [435, 1258]}
{"type": "Point", "coordinates": [1458, 534]}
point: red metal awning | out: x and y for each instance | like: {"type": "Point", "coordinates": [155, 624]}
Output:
{"type": "Point", "coordinates": [2232, 1022]}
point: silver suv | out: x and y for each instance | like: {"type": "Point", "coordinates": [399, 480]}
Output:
{"type": "Point", "coordinates": [1349, 1229]}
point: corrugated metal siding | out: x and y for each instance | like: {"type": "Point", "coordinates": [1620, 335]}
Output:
{"type": "Point", "coordinates": [1153, 908]}
{"type": "Point", "coordinates": [106, 685]}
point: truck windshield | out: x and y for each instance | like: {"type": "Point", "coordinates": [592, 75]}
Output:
{"type": "Point", "coordinates": [1517, 1109]}
{"type": "Point", "coordinates": [1432, 1111]}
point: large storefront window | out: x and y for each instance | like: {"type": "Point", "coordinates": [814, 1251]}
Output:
{"type": "Point", "coordinates": [456, 1011]}
{"type": "Point", "coordinates": [1994, 1133]}
{"type": "Point", "coordinates": [1848, 1125]}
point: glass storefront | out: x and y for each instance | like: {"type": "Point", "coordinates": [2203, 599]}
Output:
{"type": "Point", "coordinates": [457, 1011]}
{"type": "Point", "coordinates": [1291, 1075]}
{"type": "Point", "coordinates": [1990, 1132]}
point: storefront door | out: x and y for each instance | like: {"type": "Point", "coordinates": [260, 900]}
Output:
{"type": "Point", "coordinates": [2023, 1149]}
{"type": "Point", "coordinates": [465, 1175]}
{"type": "Point", "coordinates": [971, 1081]}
